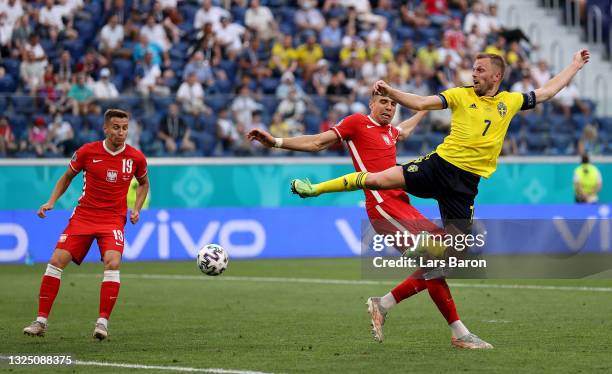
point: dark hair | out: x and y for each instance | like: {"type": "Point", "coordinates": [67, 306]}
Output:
{"type": "Point", "coordinates": [585, 158]}
{"type": "Point", "coordinates": [115, 113]}
{"type": "Point", "coordinates": [496, 60]}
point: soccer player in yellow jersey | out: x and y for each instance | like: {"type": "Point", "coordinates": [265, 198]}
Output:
{"type": "Point", "coordinates": [480, 117]}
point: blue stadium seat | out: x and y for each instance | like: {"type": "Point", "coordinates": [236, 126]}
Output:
{"type": "Point", "coordinates": [207, 123]}
{"type": "Point", "coordinates": [435, 138]}
{"type": "Point", "coordinates": [312, 122]}
{"type": "Point", "coordinates": [217, 102]}
{"type": "Point", "coordinates": [270, 103]}
{"type": "Point", "coordinates": [75, 121]}
{"type": "Point", "coordinates": [11, 66]}
{"type": "Point", "coordinates": [124, 68]}
{"type": "Point", "coordinates": [189, 120]}
{"type": "Point", "coordinates": [580, 120]}
{"type": "Point", "coordinates": [86, 29]}
{"type": "Point", "coordinates": [19, 122]}
{"type": "Point", "coordinates": [23, 104]}
{"type": "Point", "coordinates": [428, 33]}
{"type": "Point", "coordinates": [537, 143]}
{"type": "Point", "coordinates": [605, 124]}
{"type": "Point", "coordinates": [269, 85]}
{"type": "Point", "coordinates": [238, 14]}
{"type": "Point", "coordinates": [562, 143]}
{"type": "Point", "coordinates": [7, 84]}
{"type": "Point", "coordinates": [414, 144]}
{"type": "Point", "coordinates": [405, 33]}
{"type": "Point", "coordinates": [75, 47]}
{"type": "Point", "coordinates": [160, 103]}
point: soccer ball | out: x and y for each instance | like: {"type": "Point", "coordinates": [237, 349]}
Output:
{"type": "Point", "coordinates": [212, 259]}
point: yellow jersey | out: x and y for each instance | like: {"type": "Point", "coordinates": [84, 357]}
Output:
{"type": "Point", "coordinates": [478, 127]}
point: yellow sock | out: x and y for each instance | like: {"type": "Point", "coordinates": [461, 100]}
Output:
{"type": "Point", "coordinates": [348, 182]}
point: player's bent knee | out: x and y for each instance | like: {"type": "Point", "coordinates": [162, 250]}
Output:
{"type": "Point", "coordinates": [112, 260]}
{"type": "Point", "coordinates": [60, 258]}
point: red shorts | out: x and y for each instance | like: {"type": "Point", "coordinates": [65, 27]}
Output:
{"type": "Point", "coordinates": [398, 214]}
{"type": "Point", "coordinates": [78, 237]}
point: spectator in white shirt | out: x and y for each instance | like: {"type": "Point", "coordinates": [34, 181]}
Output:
{"type": "Point", "coordinates": [567, 98]}
{"type": "Point", "coordinates": [191, 96]}
{"type": "Point", "coordinates": [13, 10]}
{"type": "Point", "coordinates": [308, 17]}
{"type": "Point", "coordinates": [243, 106]}
{"type": "Point", "coordinates": [105, 89]}
{"type": "Point", "coordinates": [50, 16]}
{"type": "Point", "coordinates": [155, 32]}
{"type": "Point", "coordinates": [541, 73]}
{"type": "Point", "coordinates": [380, 33]}
{"type": "Point", "coordinates": [229, 36]}
{"type": "Point", "coordinates": [111, 35]}
{"type": "Point", "coordinates": [374, 69]}
{"type": "Point", "coordinates": [260, 19]}
{"type": "Point", "coordinates": [209, 14]}
{"type": "Point", "coordinates": [477, 17]}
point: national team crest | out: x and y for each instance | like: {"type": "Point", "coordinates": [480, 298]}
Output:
{"type": "Point", "coordinates": [412, 168]}
{"type": "Point", "coordinates": [111, 176]}
{"type": "Point", "coordinates": [386, 139]}
{"type": "Point", "coordinates": [502, 109]}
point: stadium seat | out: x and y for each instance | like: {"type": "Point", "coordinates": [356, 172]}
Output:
{"type": "Point", "coordinates": [435, 138]}
{"type": "Point", "coordinates": [563, 144]}
{"type": "Point", "coordinates": [7, 84]}
{"type": "Point", "coordinates": [537, 143]}
{"type": "Point", "coordinates": [217, 102]}
{"type": "Point", "coordinates": [23, 104]}
{"type": "Point", "coordinates": [124, 68]}
{"type": "Point", "coordinates": [269, 85]}
{"type": "Point", "coordinates": [405, 33]}
{"type": "Point", "coordinates": [160, 103]}
{"type": "Point", "coordinates": [312, 122]}
{"type": "Point", "coordinates": [414, 144]}
{"type": "Point", "coordinates": [12, 67]}
{"type": "Point", "coordinates": [605, 124]}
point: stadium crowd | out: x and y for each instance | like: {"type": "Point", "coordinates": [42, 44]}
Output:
{"type": "Point", "coordinates": [198, 75]}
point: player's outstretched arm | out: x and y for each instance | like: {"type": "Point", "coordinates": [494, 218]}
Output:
{"type": "Point", "coordinates": [141, 194]}
{"type": "Point", "coordinates": [60, 187]}
{"type": "Point", "coordinates": [407, 127]}
{"type": "Point", "coordinates": [556, 84]}
{"type": "Point", "coordinates": [304, 143]}
{"type": "Point", "coordinates": [412, 101]}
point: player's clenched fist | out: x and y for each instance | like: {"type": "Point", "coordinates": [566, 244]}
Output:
{"type": "Point", "coordinates": [43, 209]}
{"type": "Point", "coordinates": [134, 216]}
{"type": "Point", "coordinates": [582, 57]}
{"type": "Point", "coordinates": [261, 136]}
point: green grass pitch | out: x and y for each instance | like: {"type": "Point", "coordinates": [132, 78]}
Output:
{"type": "Point", "coordinates": [169, 314]}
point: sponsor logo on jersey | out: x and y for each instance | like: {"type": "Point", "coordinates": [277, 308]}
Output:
{"type": "Point", "coordinates": [502, 109]}
{"type": "Point", "coordinates": [111, 176]}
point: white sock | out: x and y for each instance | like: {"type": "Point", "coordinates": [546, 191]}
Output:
{"type": "Point", "coordinates": [111, 276]}
{"type": "Point", "coordinates": [388, 301]}
{"type": "Point", "coordinates": [458, 329]}
{"type": "Point", "coordinates": [103, 321]}
{"type": "Point", "coordinates": [41, 319]}
{"type": "Point", "coordinates": [54, 271]}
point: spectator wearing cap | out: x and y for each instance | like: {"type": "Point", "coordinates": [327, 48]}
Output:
{"type": "Point", "coordinates": [288, 84]}
{"type": "Point", "coordinates": [104, 89]}
{"type": "Point", "coordinates": [259, 18]}
{"type": "Point", "coordinates": [7, 138]}
{"type": "Point", "coordinates": [191, 96]}
{"type": "Point", "coordinates": [321, 78]}
{"type": "Point", "coordinates": [38, 139]}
